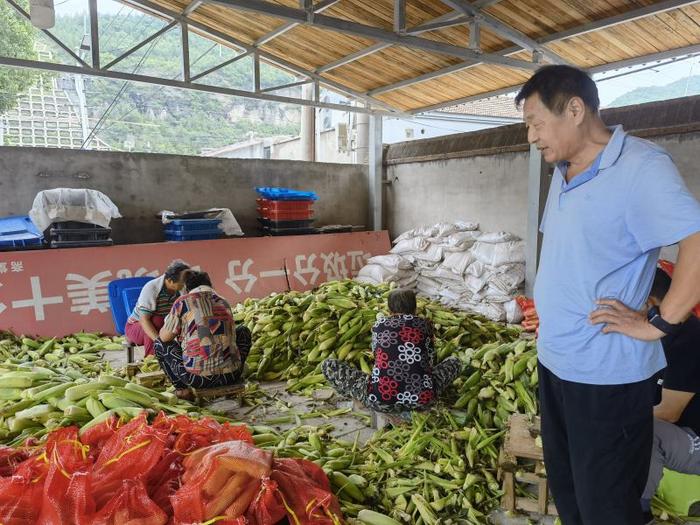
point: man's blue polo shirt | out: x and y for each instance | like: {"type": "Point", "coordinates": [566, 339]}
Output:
{"type": "Point", "coordinates": [602, 236]}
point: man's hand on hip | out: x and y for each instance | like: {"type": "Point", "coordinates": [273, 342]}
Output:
{"type": "Point", "coordinates": [619, 318]}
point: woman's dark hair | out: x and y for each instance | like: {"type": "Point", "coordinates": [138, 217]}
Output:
{"type": "Point", "coordinates": [194, 279]}
{"type": "Point", "coordinates": [402, 301]}
{"type": "Point", "coordinates": [661, 285]}
{"type": "Point", "coordinates": [174, 270]}
{"type": "Point", "coordinates": [556, 85]}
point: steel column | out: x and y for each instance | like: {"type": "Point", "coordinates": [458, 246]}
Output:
{"type": "Point", "coordinates": [537, 188]}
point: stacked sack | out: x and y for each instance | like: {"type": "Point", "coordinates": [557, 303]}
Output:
{"type": "Point", "coordinates": [458, 265]}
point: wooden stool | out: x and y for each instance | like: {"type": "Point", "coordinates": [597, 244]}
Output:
{"type": "Point", "coordinates": [220, 391]}
{"type": "Point", "coordinates": [129, 348]}
{"type": "Point", "coordinates": [150, 379]}
{"type": "Point", "coordinates": [522, 461]}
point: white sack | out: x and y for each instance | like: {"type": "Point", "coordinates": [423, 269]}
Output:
{"type": "Point", "coordinates": [499, 253]}
{"type": "Point", "coordinates": [67, 204]}
{"type": "Point", "coordinates": [415, 244]}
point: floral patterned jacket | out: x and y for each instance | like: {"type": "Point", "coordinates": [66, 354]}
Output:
{"type": "Point", "coordinates": [404, 358]}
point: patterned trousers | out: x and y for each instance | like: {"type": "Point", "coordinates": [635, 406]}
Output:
{"type": "Point", "coordinates": [169, 357]}
{"type": "Point", "coordinates": [351, 382]}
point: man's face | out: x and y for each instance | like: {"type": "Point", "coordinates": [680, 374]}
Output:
{"type": "Point", "coordinates": [554, 135]}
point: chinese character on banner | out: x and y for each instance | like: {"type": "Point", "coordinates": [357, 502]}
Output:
{"type": "Point", "coordinates": [309, 269]}
{"type": "Point", "coordinates": [141, 272]}
{"type": "Point", "coordinates": [38, 301]}
{"type": "Point", "coordinates": [234, 277]}
{"type": "Point", "coordinates": [357, 260]}
{"type": "Point", "coordinates": [16, 266]}
{"type": "Point", "coordinates": [334, 266]}
{"type": "Point", "coordinates": [3, 267]}
{"type": "Point", "coordinates": [88, 294]}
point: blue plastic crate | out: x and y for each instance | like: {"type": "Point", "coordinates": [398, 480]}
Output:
{"type": "Point", "coordinates": [198, 235]}
{"type": "Point", "coordinates": [19, 232]}
{"type": "Point", "coordinates": [193, 225]}
{"type": "Point", "coordinates": [286, 194]}
{"type": "Point", "coordinates": [123, 296]}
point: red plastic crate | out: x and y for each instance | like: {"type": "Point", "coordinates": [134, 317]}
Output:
{"type": "Point", "coordinates": [284, 206]}
{"type": "Point", "coordinates": [283, 215]}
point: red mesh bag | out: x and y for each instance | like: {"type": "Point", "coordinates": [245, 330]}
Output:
{"type": "Point", "coordinates": [10, 458]}
{"type": "Point", "coordinates": [20, 493]}
{"type": "Point", "coordinates": [220, 480]}
{"type": "Point", "coordinates": [132, 506]}
{"type": "Point", "coordinates": [164, 479]}
{"type": "Point", "coordinates": [96, 436]}
{"type": "Point", "coordinates": [131, 453]}
{"type": "Point", "coordinates": [193, 434]}
{"type": "Point", "coordinates": [267, 507]}
{"type": "Point", "coordinates": [67, 498]}
{"type": "Point", "coordinates": [306, 493]}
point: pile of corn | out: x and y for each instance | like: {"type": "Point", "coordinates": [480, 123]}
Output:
{"type": "Point", "coordinates": [444, 463]}
{"type": "Point", "coordinates": [59, 382]}
{"type": "Point", "coordinates": [294, 332]}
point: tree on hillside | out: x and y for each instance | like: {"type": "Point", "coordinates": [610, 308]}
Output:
{"type": "Point", "coordinates": [16, 41]}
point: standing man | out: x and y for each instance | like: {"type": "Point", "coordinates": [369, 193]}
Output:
{"type": "Point", "coordinates": [614, 201]}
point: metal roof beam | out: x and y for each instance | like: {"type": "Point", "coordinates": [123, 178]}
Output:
{"type": "Point", "coordinates": [221, 65]}
{"type": "Point", "coordinates": [160, 11]}
{"type": "Point", "coordinates": [604, 23]}
{"type": "Point", "coordinates": [140, 45]}
{"type": "Point", "coordinates": [630, 62]}
{"type": "Point", "coordinates": [318, 8]}
{"type": "Point", "coordinates": [286, 86]}
{"type": "Point", "coordinates": [504, 30]}
{"type": "Point", "coordinates": [130, 77]}
{"type": "Point", "coordinates": [451, 19]}
{"type": "Point", "coordinates": [49, 34]}
{"type": "Point", "coordinates": [194, 5]}
{"type": "Point", "coordinates": [371, 32]}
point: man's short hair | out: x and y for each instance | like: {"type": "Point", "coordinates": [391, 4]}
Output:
{"type": "Point", "coordinates": [556, 85]}
{"type": "Point", "coordinates": [661, 285]}
{"type": "Point", "coordinates": [402, 301]}
{"type": "Point", "coordinates": [194, 279]}
{"type": "Point", "coordinates": [174, 270]}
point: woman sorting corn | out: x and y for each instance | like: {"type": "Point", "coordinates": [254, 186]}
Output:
{"type": "Point", "coordinates": [154, 303]}
{"type": "Point", "coordinates": [199, 345]}
{"type": "Point", "coordinates": [404, 376]}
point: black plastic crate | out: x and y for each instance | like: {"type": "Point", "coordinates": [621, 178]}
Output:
{"type": "Point", "coordinates": [285, 224]}
{"type": "Point", "coordinates": [75, 225]}
{"type": "Point", "coordinates": [80, 234]}
{"type": "Point", "coordinates": [288, 231]}
{"type": "Point", "coordinates": [81, 244]}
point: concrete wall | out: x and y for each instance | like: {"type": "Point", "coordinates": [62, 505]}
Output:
{"type": "Point", "coordinates": [141, 185]}
{"type": "Point", "coordinates": [482, 176]}
{"type": "Point", "coordinates": [490, 189]}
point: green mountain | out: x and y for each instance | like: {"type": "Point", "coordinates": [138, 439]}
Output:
{"type": "Point", "coordinates": [684, 87]}
{"type": "Point", "coordinates": [144, 117]}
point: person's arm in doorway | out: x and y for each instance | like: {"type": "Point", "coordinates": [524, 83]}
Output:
{"type": "Point", "coordinates": [685, 287]}
{"type": "Point", "coordinates": [673, 403]}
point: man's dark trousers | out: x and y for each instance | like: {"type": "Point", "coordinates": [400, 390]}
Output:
{"type": "Point", "coordinates": [597, 447]}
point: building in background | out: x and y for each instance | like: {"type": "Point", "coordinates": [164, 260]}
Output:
{"type": "Point", "coordinates": [336, 133]}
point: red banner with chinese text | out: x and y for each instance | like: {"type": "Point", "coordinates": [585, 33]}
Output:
{"type": "Point", "coordinates": [57, 292]}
